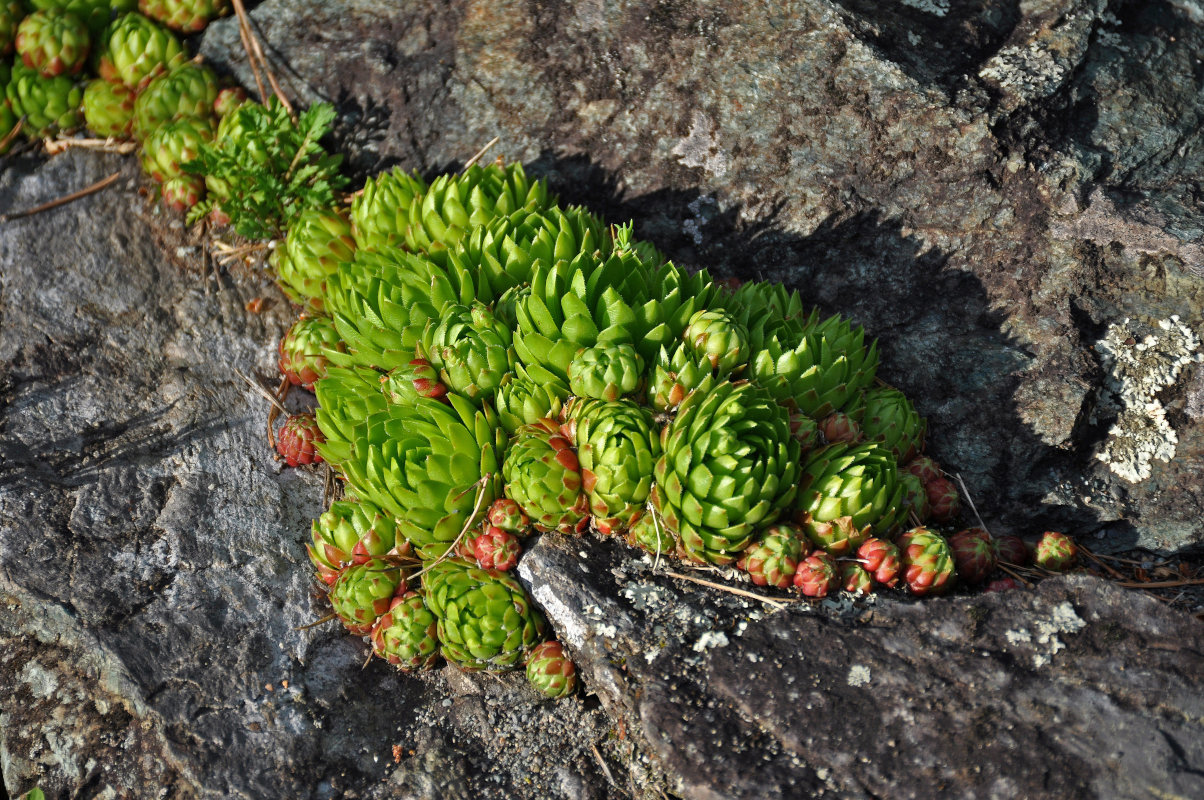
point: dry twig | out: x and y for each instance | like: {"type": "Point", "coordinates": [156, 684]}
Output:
{"type": "Point", "coordinates": [110, 145]}
{"type": "Point", "coordinates": [64, 200]}
{"type": "Point", "coordinates": [480, 153]}
{"type": "Point", "coordinates": [257, 59]}
{"type": "Point", "coordinates": [773, 601]}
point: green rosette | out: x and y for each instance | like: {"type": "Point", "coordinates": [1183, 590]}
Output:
{"type": "Point", "coordinates": [606, 372]}
{"type": "Point", "coordinates": [407, 635]}
{"type": "Point", "coordinates": [109, 109]}
{"type": "Point", "coordinates": [470, 348]}
{"type": "Point", "coordinates": [617, 448]}
{"type": "Point", "coordinates": [136, 49]}
{"type": "Point", "coordinates": [528, 395]}
{"type": "Point", "coordinates": [49, 105]}
{"type": "Point", "coordinates": [186, 91]}
{"type": "Point", "coordinates": [649, 532]}
{"type": "Point", "coordinates": [822, 372]}
{"type": "Point", "coordinates": [543, 476]}
{"type": "Point", "coordinates": [848, 492]}
{"type": "Point", "coordinates": [718, 339]}
{"type": "Point", "coordinates": [890, 419]}
{"type": "Point", "coordinates": [346, 397]}
{"type": "Point", "coordinates": [399, 209]}
{"type": "Point", "coordinates": [174, 144]}
{"type": "Point", "coordinates": [504, 250]}
{"type": "Point", "coordinates": [382, 302]}
{"type": "Point", "coordinates": [551, 671]}
{"type": "Point", "coordinates": [434, 467]}
{"type": "Point", "coordinates": [318, 241]}
{"type": "Point", "coordinates": [95, 14]}
{"type": "Point", "coordinates": [486, 620]}
{"type": "Point", "coordinates": [349, 530]}
{"type": "Point", "coordinates": [185, 16]}
{"type": "Point", "coordinates": [674, 376]}
{"type": "Point", "coordinates": [53, 42]}
{"type": "Point", "coordinates": [11, 14]}
{"type": "Point", "coordinates": [729, 467]}
{"type": "Point", "coordinates": [363, 592]}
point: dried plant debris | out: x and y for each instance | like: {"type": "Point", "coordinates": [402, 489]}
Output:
{"type": "Point", "coordinates": [1142, 360]}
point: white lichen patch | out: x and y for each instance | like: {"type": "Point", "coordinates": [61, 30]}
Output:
{"type": "Point", "coordinates": [701, 148]}
{"type": "Point", "coordinates": [859, 675]}
{"type": "Point", "coordinates": [937, 8]}
{"type": "Point", "coordinates": [1140, 365]}
{"type": "Point", "coordinates": [1028, 70]}
{"type": "Point", "coordinates": [1045, 642]}
{"type": "Point", "coordinates": [710, 639]}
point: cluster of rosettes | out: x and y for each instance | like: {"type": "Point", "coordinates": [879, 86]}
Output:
{"type": "Point", "coordinates": [488, 365]}
{"type": "Point", "coordinates": [142, 84]}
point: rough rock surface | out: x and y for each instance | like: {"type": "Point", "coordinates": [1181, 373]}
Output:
{"type": "Point", "coordinates": [986, 186]}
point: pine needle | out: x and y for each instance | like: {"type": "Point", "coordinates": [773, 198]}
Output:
{"type": "Point", "coordinates": [480, 153]}
{"type": "Point", "coordinates": [64, 200]}
{"type": "Point", "coordinates": [773, 601]}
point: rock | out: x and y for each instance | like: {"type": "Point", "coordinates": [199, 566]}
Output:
{"type": "Point", "coordinates": [1075, 689]}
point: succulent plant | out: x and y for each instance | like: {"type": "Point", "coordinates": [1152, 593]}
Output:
{"type": "Point", "coordinates": [396, 208]}
{"type": "Point", "coordinates": [407, 634]}
{"type": "Point", "coordinates": [817, 575]}
{"type": "Point", "coordinates": [915, 498]}
{"type": "Point", "coordinates": [135, 49]}
{"type": "Point", "coordinates": [183, 192]}
{"type": "Point", "coordinates": [49, 105]}
{"type": "Point", "coordinates": [53, 42]}
{"type": "Point", "coordinates": [506, 515]}
{"type": "Point", "coordinates": [882, 560]}
{"type": "Point", "coordinates": [890, 419]}
{"type": "Point", "coordinates": [349, 531]}
{"type": "Point", "coordinates": [650, 533]}
{"type": "Point", "coordinates": [729, 467]}
{"type": "Point", "coordinates": [772, 559]}
{"type": "Point", "coordinates": [928, 566]}
{"type": "Point", "coordinates": [496, 549]}
{"type": "Point", "coordinates": [109, 108]}
{"type": "Point", "coordinates": [840, 427]}
{"type": "Point", "coordinates": [855, 578]}
{"type": "Point", "coordinates": [303, 350]}
{"type": "Point", "coordinates": [11, 14]}
{"type": "Point", "coordinates": [675, 374]}
{"type": "Point", "coordinates": [943, 502]}
{"type": "Point", "coordinates": [846, 493]}
{"type": "Point", "coordinates": [973, 555]}
{"type": "Point", "coordinates": [1055, 551]}
{"type": "Point", "coordinates": [346, 398]}
{"type": "Point", "coordinates": [713, 336]}
{"type": "Point", "coordinates": [433, 466]}
{"type": "Point", "coordinates": [185, 16]}
{"type": "Point", "coordinates": [551, 671]}
{"type": "Point", "coordinates": [185, 91]}
{"type": "Point", "coordinates": [606, 372]}
{"type": "Point", "coordinates": [95, 14]}
{"type": "Point", "coordinates": [528, 395]}
{"type": "Point", "coordinates": [364, 592]}
{"type": "Point", "coordinates": [173, 144]}
{"type": "Point", "coordinates": [924, 468]}
{"type": "Point", "coordinates": [297, 440]}
{"type": "Point", "coordinates": [485, 619]}
{"type": "Point", "coordinates": [471, 349]}
{"type": "Point", "coordinates": [543, 475]}
{"type": "Point", "coordinates": [617, 448]}
{"type": "Point", "coordinates": [317, 242]}
{"type": "Point", "coordinates": [1011, 550]}
{"type": "Point", "coordinates": [229, 99]}
{"type": "Point", "coordinates": [405, 384]}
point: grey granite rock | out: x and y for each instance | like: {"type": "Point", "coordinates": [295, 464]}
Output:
{"type": "Point", "coordinates": [1073, 690]}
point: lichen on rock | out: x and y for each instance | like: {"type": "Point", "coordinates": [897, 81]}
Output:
{"type": "Point", "coordinates": [1137, 370]}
